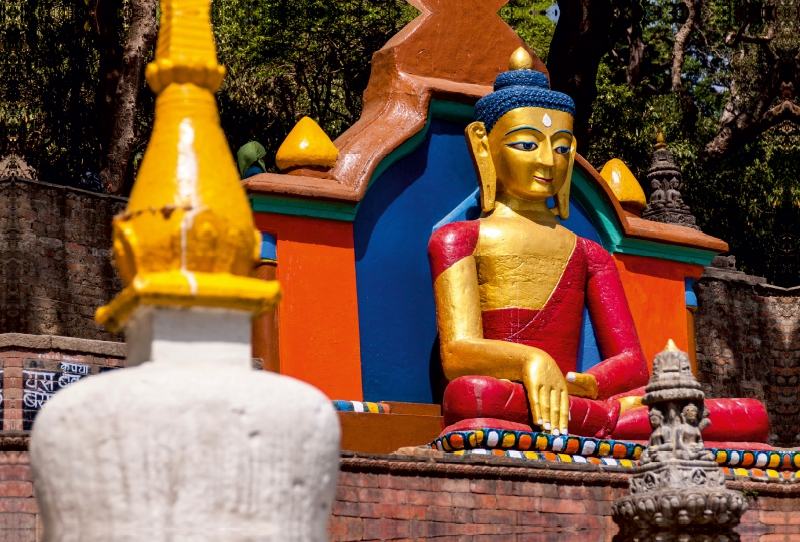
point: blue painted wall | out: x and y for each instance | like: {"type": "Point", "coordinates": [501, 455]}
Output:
{"type": "Point", "coordinates": [433, 185]}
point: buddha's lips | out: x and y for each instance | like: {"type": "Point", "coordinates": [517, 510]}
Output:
{"type": "Point", "coordinates": [542, 179]}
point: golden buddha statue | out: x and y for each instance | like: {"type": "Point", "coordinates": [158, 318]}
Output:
{"type": "Point", "coordinates": [510, 287]}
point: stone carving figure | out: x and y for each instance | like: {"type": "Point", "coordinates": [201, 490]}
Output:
{"type": "Point", "coordinates": [658, 196]}
{"type": "Point", "coordinates": [678, 482]}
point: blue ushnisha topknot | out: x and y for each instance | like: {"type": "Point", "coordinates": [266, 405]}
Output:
{"type": "Point", "coordinates": [519, 88]}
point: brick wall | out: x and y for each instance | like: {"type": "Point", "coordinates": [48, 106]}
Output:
{"type": "Point", "coordinates": [34, 367]}
{"type": "Point", "coordinates": [55, 263]}
{"type": "Point", "coordinates": [748, 345]}
{"type": "Point", "coordinates": [450, 500]}
{"type": "Point", "coordinates": [471, 498]}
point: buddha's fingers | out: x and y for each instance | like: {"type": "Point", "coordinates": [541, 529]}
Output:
{"type": "Point", "coordinates": [555, 411]}
{"type": "Point", "coordinates": [537, 409]}
{"type": "Point", "coordinates": [564, 422]}
{"type": "Point", "coordinates": [544, 399]}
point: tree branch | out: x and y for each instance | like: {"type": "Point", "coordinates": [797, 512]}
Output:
{"type": "Point", "coordinates": [141, 37]}
{"type": "Point", "coordinates": [690, 111]}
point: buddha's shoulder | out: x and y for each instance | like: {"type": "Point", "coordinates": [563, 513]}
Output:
{"type": "Point", "coordinates": [455, 236]}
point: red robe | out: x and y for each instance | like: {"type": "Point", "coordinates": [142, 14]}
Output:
{"type": "Point", "coordinates": [590, 278]}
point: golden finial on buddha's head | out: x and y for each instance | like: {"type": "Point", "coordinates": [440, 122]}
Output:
{"type": "Point", "coordinates": [187, 237]}
{"type": "Point", "coordinates": [671, 347]}
{"type": "Point", "coordinates": [520, 60]}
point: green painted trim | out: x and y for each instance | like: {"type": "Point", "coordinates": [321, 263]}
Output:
{"type": "Point", "coordinates": [612, 237]}
{"type": "Point", "coordinates": [591, 197]}
{"type": "Point", "coordinates": [300, 207]}
{"type": "Point", "coordinates": [440, 109]}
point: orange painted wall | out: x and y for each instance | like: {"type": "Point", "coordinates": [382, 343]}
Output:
{"type": "Point", "coordinates": [656, 295]}
{"type": "Point", "coordinates": [318, 315]}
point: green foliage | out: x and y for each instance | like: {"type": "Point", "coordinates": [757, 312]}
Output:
{"type": "Point", "coordinates": [289, 59]}
{"type": "Point", "coordinates": [750, 198]}
{"type": "Point", "coordinates": [48, 79]}
{"type": "Point", "coordinates": [527, 18]}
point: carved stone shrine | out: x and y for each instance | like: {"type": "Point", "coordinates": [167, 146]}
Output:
{"type": "Point", "coordinates": [678, 485]}
{"type": "Point", "coordinates": [666, 203]}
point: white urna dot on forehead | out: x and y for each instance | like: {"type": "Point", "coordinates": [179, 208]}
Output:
{"type": "Point", "coordinates": [546, 120]}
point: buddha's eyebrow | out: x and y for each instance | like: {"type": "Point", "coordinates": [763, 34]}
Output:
{"type": "Point", "coordinates": [564, 131]}
{"type": "Point", "coordinates": [518, 128]}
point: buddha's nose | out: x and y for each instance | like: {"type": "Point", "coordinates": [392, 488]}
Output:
{"type": "Point", "coordinates": [546, 154]}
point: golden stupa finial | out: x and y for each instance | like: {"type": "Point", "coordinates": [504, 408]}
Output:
{"type": "Point", "coordinates": [306, 146]}
{"type": "Point", "coordinates": [187, 237]}
{"type": "Point", "coordinates": [520, 59]}
{"type": "Point", "coordinates": [661, 142]}
{"type": "Point", "coordinates": [671, 347]}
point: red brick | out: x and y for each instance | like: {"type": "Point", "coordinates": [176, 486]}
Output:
{"type": "Point", "coordinates": [535, 489]}
{"type": "Point", "coordinates": [370, 510]}
{"type": "Point", "coordinates": [429, 498]}
{"type": "Point", "coordinates": [383, 529]}
{"type": "Point", "coordinates": [16, 489]}
{"type": "Point", "coordinates": [19, 504]}
{"type": "Point", "coordinates": [462, 515]}
{"type": "Point", "coordinates": [441, 513]}
{"type": "Point", "coordinates": [16, 472]}
{"type": "Point", "coordinates": [559, 506]}
{"type": "Point", "coordinates": [347, 509]}
{"type": "Point", "coordinates": [370, 495]}
{"type": "Point", "coordinates": [417, 483]}
{"type": "Point", "coordinates": [507, 517]}
{"type": "Point", "coordinates": [483, 486]}
{"type": "Point", "coordinates": [345, 529]}
{"type": "Point", "coordinates": [513, 502]}
{"type": "Point", "coordinates": [343, 493]}
{"type": "Point", "coordinates": [403, 511]}
{"type": "Point", "coordinates": [452, 485]}
{"type": "Point", "coordinates": [17, 521]}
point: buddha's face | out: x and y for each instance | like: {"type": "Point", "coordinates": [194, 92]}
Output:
{"type": "Point", "coordinates": [532, 148]}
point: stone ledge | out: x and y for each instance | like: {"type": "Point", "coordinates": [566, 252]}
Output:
{"type": "Point", "coordinates": [14, 441]}
{"type": "Point", "coordinates": [471, 467]}
{"type": "Point", "coordinates": [79, 191]}
{"type": "Point", "coordinates": [57, 342]}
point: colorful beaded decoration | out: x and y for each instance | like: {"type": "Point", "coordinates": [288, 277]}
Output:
{"type": "Point", "coordinates": [550, 456]}
{"type": "Point", "coordinates": [788, 460]}
{"type": "Point", "coordinates": [361, 406]}
{"type": "Point", "coordinates": [523, 441]}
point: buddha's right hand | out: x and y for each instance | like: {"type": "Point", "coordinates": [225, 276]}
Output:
{"type": "Point", "coordinates": [547, 392]}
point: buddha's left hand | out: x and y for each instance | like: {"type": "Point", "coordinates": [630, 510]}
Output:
{"type": "Point", "coordinates": [582, 385]}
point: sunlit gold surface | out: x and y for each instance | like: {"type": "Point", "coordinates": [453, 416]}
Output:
{"type": "Point", "coordinates": [187, 236]}
{"type": "Point", "coordinates": [520, 60]}
{"type": "Point", "coordinates": [520, 256]}
{"type": "Point", "coordinates": [307, 145]}
{"type": "Point", "coordinates": [515, 269]}
{"type": "Point", "coordinates": [629, 403]}
{"type": "Point", "coordinates": [623, 184]}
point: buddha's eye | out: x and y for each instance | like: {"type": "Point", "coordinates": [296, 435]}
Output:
{"type": "Point", "coordinates": [523, 145]}
{"type": "Point", "coordinates": [562, 149]}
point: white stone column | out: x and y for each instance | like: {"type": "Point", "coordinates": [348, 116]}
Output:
{"type": "Point", "coordinates": [189, 444]}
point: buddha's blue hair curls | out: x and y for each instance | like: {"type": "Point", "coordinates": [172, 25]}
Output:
{"type": "Point", "coordinates": [520, 88]}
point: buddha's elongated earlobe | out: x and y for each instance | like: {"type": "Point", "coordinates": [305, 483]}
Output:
{"type": "Point", "coordinates": [561, 209]}
{"type": "Point", "coordinates": [478, 143]}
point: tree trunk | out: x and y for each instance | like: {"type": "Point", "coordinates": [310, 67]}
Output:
{"type": "Point", "coordinates": [141, 37]}
{"type": "Point", "coordinates": [633, 74]}
{"type": "Point", "coordinates": [105, 20]}
{"type": "Point", "coordinates": [688, 107]}
{"type": "Point", "coordinates": [578, 45]}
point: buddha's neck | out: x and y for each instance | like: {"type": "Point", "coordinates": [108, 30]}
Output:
{"type": "Point", "coordinates": [537, 211]}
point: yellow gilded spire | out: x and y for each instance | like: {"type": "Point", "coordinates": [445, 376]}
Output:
{"type": "Point", "coordinates": [624, 185]}
{"type": "Point", "coordinates": [187, 237]}
{"type": "Point", "coordinates": [307, 145]}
